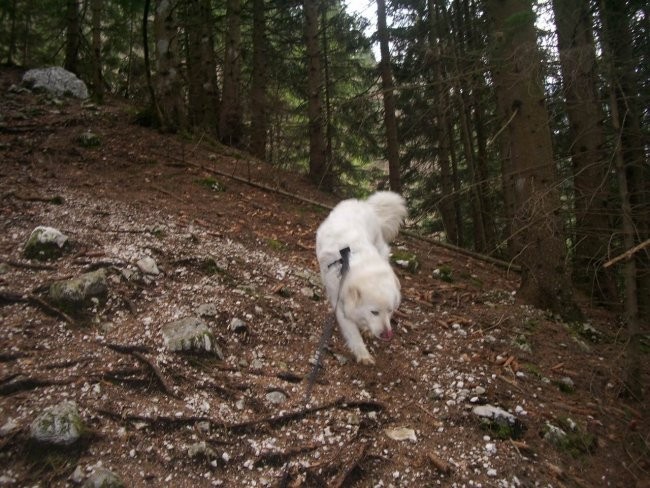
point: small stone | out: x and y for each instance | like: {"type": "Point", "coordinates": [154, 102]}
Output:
{"type": "Point", "coordinates": [207, 310]}
{"type": "Point", "coordinates": [200, 449]}
{"type": "Point", "coordinates": [401, 434]}
{"type": "Point", "coordinates": [9, 426]}
{"type": "Point", "coordinates": [89, 139]}
{"type": "Point", "coordinates": [276, 397]}
{"type": "Point", "coordinates": [307, 292]}
{"type": "Point", "coordinates": [77, 475]}
{"type": "Point", "coordinates": [492, 472]}
{"type": "Point", "coordinates": [103, 478]}
{"type": "Point", "coordinates": [148, 266]}
{"type": "Point", "coordinates": [237, 325]}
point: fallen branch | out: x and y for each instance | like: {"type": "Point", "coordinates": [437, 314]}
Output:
{"type": "Point", "coordinates": [350, 466]}
{"type": "Point", "coordinates": [279, 457]}
{"type": "Point", "coordinates": [36, 266]}
{"type": "Point", "coordinates": [30, 383]}
{"type": "Point", "coordinates": [239, 426]}
{"type": "Point", "coordinates": [9, 296]}
{"type": "Point", "coordinates": [627, 254]}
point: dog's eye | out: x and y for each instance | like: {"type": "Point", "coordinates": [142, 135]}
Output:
{"type": "Point", "coordinates": [374, 312]}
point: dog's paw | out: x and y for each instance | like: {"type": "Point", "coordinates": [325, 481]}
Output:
{"type": "Point", "coordinates": [366, 360]}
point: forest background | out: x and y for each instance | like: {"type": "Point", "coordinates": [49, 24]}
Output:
{"type": "Point", "coordinates": [523, 143]}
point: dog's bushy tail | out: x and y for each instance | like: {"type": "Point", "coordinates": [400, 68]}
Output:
{"type": "Point", "coordinates": [391, 210]}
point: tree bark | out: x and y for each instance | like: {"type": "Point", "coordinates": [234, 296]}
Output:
{"type": "Point", "coordinates": [231, 125]}
{"type": "Point", "coordinates": [537, 225]}
{"type": "Point", "coordinates": [588, 149]}
{"type": "Point", "coordinates": [317, 161]}
{"type": "Point", "coordinates": [259, 101]}
{"type": "Point", "coordinates": [98, 83]}
{"type": "Point", "coordinates": [169, 83]}
{"type": "Point", "coordinates": [388, 87]}
{"type": "Point", "coordinates": [616, 19]}
{"type": "Point", "coordinates": [203, 94]}
{"type": "Point", "coordinates": [72, 36]}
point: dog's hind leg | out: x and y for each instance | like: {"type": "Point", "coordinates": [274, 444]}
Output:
{"type": "Point", "coordinates": [354, 340]}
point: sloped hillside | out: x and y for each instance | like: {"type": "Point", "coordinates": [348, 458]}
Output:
{"type": "Point", "coordinates": [239, 259]}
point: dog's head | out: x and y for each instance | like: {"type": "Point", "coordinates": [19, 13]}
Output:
{"type": "Point", "coordinates": [369, 300]}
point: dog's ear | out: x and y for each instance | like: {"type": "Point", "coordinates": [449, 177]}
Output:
{"type": "Point", "coordinates": [397, 283]}
{"type": "Point", "coordinates": [354, 294]}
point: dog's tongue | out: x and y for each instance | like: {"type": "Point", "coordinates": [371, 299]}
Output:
{"type": "Point", "coordinates": [387, 335]}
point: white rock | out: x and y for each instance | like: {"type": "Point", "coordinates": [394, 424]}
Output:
{"type": "Point", "coordinates": [56, 80]}
{"type": "Point", "coordinates": [401, 434]}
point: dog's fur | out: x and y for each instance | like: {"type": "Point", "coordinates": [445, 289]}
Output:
{"type": "Point", "coordinates": [370, 291]}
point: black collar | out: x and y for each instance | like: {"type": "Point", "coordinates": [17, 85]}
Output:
{"type": "Point", "coordinates": [344, 261]}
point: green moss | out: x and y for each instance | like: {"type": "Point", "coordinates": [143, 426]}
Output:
{"type": "Point", "coordinates": [533, 370]}
{"type": "Point", "coordinates": [405, 259]}
{"type": "Point", "coordinates": [276, 245]}
{"type": "Point", "coordinates": [573, 440]}
{"type": "Point", "coordinates": [212, 184]}
{"type": "Point", "coordinates": [444, 273]}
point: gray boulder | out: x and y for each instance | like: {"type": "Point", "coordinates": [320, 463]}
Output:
{"type": "Point", "coordinates": [45, 243]}
{"type": "Point", "coordinates": [190, 334]}
{"type": "Point", "coordinates": [76, 292]}
{"type": "Point", "coordinates": [59, 425]}
{"type": "Point", "coordinates": [56, 80]}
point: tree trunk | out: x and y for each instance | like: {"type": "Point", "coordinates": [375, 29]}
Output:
{"type": "Point", "coordinates": [259, 102]}
{"type": "Point", "coordinates": [537, 225]}
{"type": "Point", "coordinates": [588, 148]}
{"type": "Point", "coordinates": [201, 66]}
{"type": "Point", "coordinates": [616, 18]}
{"type": "Point", "coordinates": [72, 37]}
{"type": "Point", "coordinates": [11, 52]}
{"type": "Point", "coordinates": [169, 83]}
{"type": "Point", "coordinates": [98, 83]}
{"type": "Point", "coordinates": [317, 162]}
{"type": "Point", "coordinates": [231, 125]}
{"type": "Point", "coordinates": [388, 87]}
{"type": "Point", "coordinates": [439, 94]}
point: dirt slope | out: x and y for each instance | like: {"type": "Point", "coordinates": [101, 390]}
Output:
{"type": "Point", "coordinates": [461, 338]}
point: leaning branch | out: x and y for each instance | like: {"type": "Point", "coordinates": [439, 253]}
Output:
{"type": "Point", "coordinates": [627, 254]}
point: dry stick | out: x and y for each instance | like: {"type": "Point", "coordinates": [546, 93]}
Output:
{"type": "Point", "coordinates": [271, 420]}
{"type": "Point", "coordinates": [50, 309]}
{"type": "Point", "coordinates": [20, 264]}
{"type": "Point", "coordinates": [627, 254]}
{"type": "Point", "coordinates": [355, 460]}
{"type": "Point", "coordinates": [440, 464]}
{"type": "Point", "coordinates": [31, 383]}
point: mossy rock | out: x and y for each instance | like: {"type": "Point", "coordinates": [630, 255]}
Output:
{"type": "Point", "coordinates": [76, 293]}
{"type": "Point", "coordinates": [406, 260]}
{"type": "Point", "coordinates": [46, 243]}
{"type": "Point", "coordinates": [568, 437]}
{"type": "Point", "coordinates": [501, 424]}
{"type": "Point", "coordinates": [190, 334]}
{"type": "Point", "coordinates": [59, 425]}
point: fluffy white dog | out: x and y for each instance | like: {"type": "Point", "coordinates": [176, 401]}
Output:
{"type": "Point", "coordinates": [366, 296]}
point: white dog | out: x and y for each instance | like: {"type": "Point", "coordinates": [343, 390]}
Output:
{"type": "Point", "coordinates": [366, 296]}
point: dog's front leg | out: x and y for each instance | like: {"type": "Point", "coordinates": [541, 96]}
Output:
{"type": "Point", "coordinates": [354, 340]}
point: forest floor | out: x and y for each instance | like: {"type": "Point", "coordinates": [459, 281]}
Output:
{"type": "Point", "coordinates": [158, 418]}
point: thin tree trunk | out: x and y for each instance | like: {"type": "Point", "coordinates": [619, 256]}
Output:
{"type": "Point", "coordinates": [155, 108]}
{"type": "Point", "coordinates": [616, 17]}
{"type": "Point", "coordinates": [440, 96]}
{"type": "Point", "coordinates": [458, 209]}
{"type": "Point", "coordinates": [317, 160]}
{"type": "Point", "coordinates": [388, 87]}
{"type": "Point", "coordinates": [588, 148]}
{"type": "Point", "coordinates": [11, 54]}
{"type": "Point", "coordinates": [537, 226]}
{"type": "Point", "coordinates": [72, 36]}
{"type": "Point", "coordinates": [326, 83]}
{"type": "Point", "coordinates": [201, 66]}
{"type": "Point", "coordinates": [98, 84]}
{"type": "Point", "coordinates": [170, 95]}
{"type": "Point", "coordinates": [259, 99]}
{"type": "Point", "coordinates": [231, 126]}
